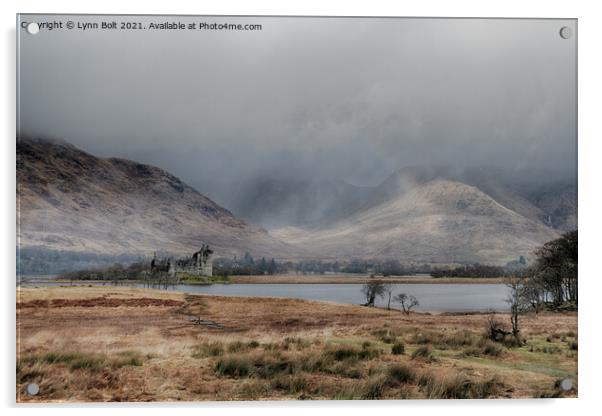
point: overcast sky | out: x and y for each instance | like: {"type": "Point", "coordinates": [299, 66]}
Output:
{"type": "Point", "coordinates": [343, 99]}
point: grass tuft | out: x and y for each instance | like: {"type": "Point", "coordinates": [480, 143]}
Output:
{"type": "Point", "coordinates": [291, 384]}
{"type": "Point", "coordinates": [85, 361]}
{"type": "Point", "coordinates": [459, 387]}
{"type": "Point", "coordinates": [347, 352]}
{"type": "Point", "coordinates": [374, 388]}
{"type": "Point", "coordinates": [485, 347]}
{"type": "Point", "coordinates": [400, 374]}
{"type": "Point", "coordinates": [212, 349]}
{"type": "Point", "coordinates": [424, 353]}
{"type": "Point", "coordinates": [233, 366]}
{"type": "Point", "coordinates": [398, 348]}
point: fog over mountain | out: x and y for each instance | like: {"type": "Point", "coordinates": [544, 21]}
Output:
{"type": "Point", "coordinates": [312, 100]}
{"type": "Point", "coordinates": [73, 205]}
{"type": "Point", "coordinates": [430, 140]}
{"type": "Point", "coordinates": [277, 202]}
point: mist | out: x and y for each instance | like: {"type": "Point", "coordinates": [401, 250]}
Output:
{"type": "Point", "coordinates": [310, 99]}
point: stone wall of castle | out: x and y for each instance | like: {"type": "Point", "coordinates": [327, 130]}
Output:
{"type": "Point", "coordinates": [199, 264]}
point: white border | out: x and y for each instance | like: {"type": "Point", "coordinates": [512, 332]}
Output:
{"type": "Point", "coordinates": [590, 68]}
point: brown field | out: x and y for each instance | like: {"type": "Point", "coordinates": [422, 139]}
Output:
{"type": "Point", "coordinates": [124, 344]}
{"type": "Point", "coordinates": [323, 278]}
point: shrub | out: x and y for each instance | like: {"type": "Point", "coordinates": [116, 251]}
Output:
{"type": "Point", "coordinates": [495, 329]}
{"type": "Point", "coordinates": [233, 366]}
{"type": "Point", "coordinates": [316, 362]}
{"type": "Point", "coordinates": [422, 338]}
{"type": "Point", "coordinates": [388, 339]}
{"type": "Point", "coordinates": [512, 342]}
{"type": "Point", "coordinates": [461, 339]}
{"type": "Point", "coordinates": [92, 363]}
{"type": "Point", "coordinates": [387, 335]}
{"type": "Point", "coordinates": [400, 374]}
{"type": "Point", "coordinates": [344, 353]}
{"type": "Point", "coordinates": [485, 347]}
{"type": "Point", "coordinates": [491, 348]}
{"type": "Point", "coordinates": [273, 366]}
{"type": "Point", "coordinates": [297, 342]}
{"type": "Point", "coordinates": [212, 349]}
{"type": "Point", "coordinates": [460, 387]}
{"type": "Point", "coordinates": [254, 389]}
{"type": "Point", "coordinates": [126, 358]}
{"type": "Point", "coordinates": [573, 346]}
{"type": "Point", "coordinates": [424, 353]}
{"type": "Point", "coordinates": [290, 384]}
{"type": "Point", "coordinates": [445, 340]}
{"type": "Point", "coordinates": [259, 365]}
{"type": "Point", "coordinates": [367, 353]}
{"type": "Point", "coordinates": [237, 346]}
{"type": "Point", "coordinates": [398, 348]}
{"type": "Point", "coordinates": [487, 388]}
{"type": "Point", "coordinates": [374, 388]}
{"type": "Point", "coordinates": [324, 362]}
{"type": "Point", "coordinates": [348, 393]}
{"type": "Point", "coordinates": [425, 379]}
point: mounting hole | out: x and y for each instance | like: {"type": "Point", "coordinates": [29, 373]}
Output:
{"type": "Point", "coordinates": [566, 32]}
{"type": "Point", "coordinates": [33, 389]}
{"type": "Point", "coordinates": [32, 28]}
{"type": "Point", "coordinates": [566, 384]}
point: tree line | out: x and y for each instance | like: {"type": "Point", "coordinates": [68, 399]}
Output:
{"type": "Point", "coordinates": [551, 282]}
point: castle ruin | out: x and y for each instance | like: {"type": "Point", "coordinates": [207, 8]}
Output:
{"type": "Point", "coordinates": [199, 264]}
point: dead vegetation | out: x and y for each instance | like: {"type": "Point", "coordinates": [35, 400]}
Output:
{"type": "Point", "coordinates": [128, 348]}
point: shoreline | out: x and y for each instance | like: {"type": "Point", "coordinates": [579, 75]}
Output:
{"type": "Point", "coordinates": [296, 279]}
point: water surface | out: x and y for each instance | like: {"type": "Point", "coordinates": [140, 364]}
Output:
{"type": "Point", "coordinates": [432, 297]}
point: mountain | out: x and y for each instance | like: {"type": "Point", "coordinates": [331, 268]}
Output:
{"type": "Point", "coordinates": [73, 201]}
{"type": "Point", "coordinates": [426, 220]}
{"type": "Point", "coordinates": [276, 203]}
{"type": "Point", "coordinates": [554, 204]}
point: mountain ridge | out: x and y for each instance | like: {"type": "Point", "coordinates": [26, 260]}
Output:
{"type": "Point", "coordinates": [71, 200]}
{"type": "Point", "coordinates": [74, 201]}
{"type": "Point", "coordinates": [439, 221]}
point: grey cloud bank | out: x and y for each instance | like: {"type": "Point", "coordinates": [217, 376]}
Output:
{"type": "Point", "coordinates": [310, 98]}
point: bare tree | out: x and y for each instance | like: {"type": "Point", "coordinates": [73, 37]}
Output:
{"type": "Point", "coordinates": [371, 290]}
{"type": "Point", "coordinates": [518, 301]}
{"type": "Point", "coordinates": [406, 302]}
{"type": "Point", "coordinates": [388, 290]}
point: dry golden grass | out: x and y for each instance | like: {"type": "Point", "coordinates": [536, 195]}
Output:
{"type": "Point", "coordinates": [117, 344]}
